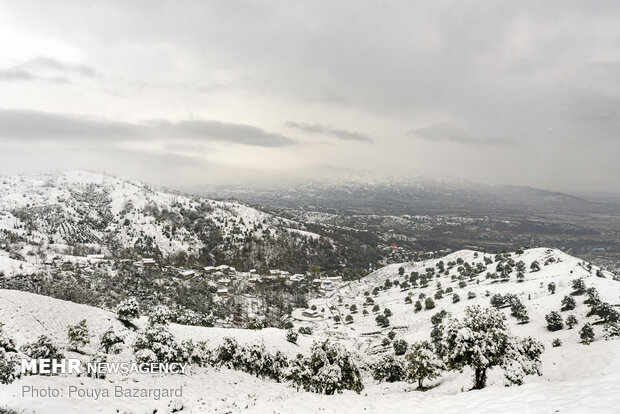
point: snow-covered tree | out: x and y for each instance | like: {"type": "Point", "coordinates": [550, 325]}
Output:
{"type": "Point", "coordinates": [305, 330]}
{"type": "Point", "coordinates": [110, 342]}
{"type": "Point", "coordinates": [586, 334]}
{"type": "Point", "coordinates": [554, 321]}
{"type": "Point", "coordinates": [437, 318]}
{"type": "Point", "coordinates": [400, 346]}
{"type": "Point", "coordinates": [551, 287]}
{"type": "Point", "coordinates": [498, 301]}
{"type": "Point", "coordinates": [605, 311]}
{"type": "Point", "coordinates": [568, 303]}
{"type": "Point", "coordinates": [292, 336]}
{"type": "Point", "coordinates": [389, 369]}
{"type": "Point", "coordinates": [156, 344]}
{"type": "Point", "coordinates": [43, 348]}
{"type": "Point", "coordinates": [482, 341]}
{"type": "Point", "coordinates": [328, 369]}
{"type": "Point", "coordinates": [522, 358]}
{"type": "Point", "coordinates": [423, 363]}
{"type": "Point", "coordinates": [6, 343]}
{"type": "Point", "coordinates": [78, 335]}
{"type": "Point", "coordinates": [612, 330]}
{"type": "Point", "coordinates": [535, 266]}
{"type": "Point", "coordinates": [9, 362]}
{"type": "Point", "coordinates": [580, 286]}
{"type": "Point", "coordinates": [382, 321]}
{"type": "Point", "coordinates": [128, 309]}
{"type": "Point", "coordinates": [160, 314]}
{"type": "Point", "coordinates": [571, 320]}
{"type": "Point", "coordinates": [9, 367]}
{"type": "Point", "coordinates": [519, 312]}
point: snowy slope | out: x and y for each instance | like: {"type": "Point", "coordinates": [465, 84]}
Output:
{"type": "Point", "coordinates": [50, 213]}
{"type": "Point", "coordinates": [576, 378]}
{"type": "Point", "coordinates": [412, 326]}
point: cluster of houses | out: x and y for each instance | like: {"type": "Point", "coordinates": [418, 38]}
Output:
{"type": "Point", "coordinates": [222, 276]}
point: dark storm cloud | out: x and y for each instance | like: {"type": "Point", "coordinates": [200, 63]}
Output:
{"type": "Point", "coordinates": [327, 130]}
{"type": "Point", "coordinates": [448, 133]}
{"type": "Point", "coordinates": [36, 125]}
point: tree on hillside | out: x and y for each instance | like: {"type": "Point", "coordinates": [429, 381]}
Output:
{"type": "Point", "coordinates": [423, 363]}
{"type": "Point", "coordinates": [156, 344]}
{"type": "Point", "coordinates": [43, 348]}
{"type": "Point", "coordinates": [9, 363]}
{"type": "Point", "coordinates": [110, 341]}
{"type": "Point", "coordinates": [551, 287]}
{"type": "Point", "coordinates": [580, 287]}
{"type": "Point", "coordinates": [78, 335]}
{"type": "Point", "coordinates": [400, 346]}
{"type": "Point", "coordinates": [389, 369]}
{"type": "Point", "coordinates": [128, 309]}
{"type": "Point", "coordinates": [328, 369]}
{"type": "Point", "coordinates": [605, 311]}
{"type": "Point", "coordinates": [535, 266]}
{"type": "Point", "coordinates": [482, 341]}
{"type": "Point", "coordinates": [586, 334]}
{"type": "Point", "coordinates": [571, 321]}
{"type": "Point", "coordinates": [554, 321]}
{"type": "Point", "coordinates": [568, 303]}
{"type": "Point", "coordinates": [160, 314]}
{"type": "Point", "coordinates": [292, 336]}
{"type": "Point", "coordinates": [382, 321]}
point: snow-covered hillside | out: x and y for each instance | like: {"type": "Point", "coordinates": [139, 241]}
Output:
{"type": "Point", "coordinates": [80, 212]}
{"type": "Point", "coordinates": [575, 377]}
{"type": "Point", "coordinates": [555, 267]}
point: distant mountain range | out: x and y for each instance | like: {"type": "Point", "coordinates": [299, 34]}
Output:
{"type": "Point", "coordinates": [415, 196]}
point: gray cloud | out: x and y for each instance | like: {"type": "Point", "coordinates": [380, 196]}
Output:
{"type": "Point", "coordinates": [46, 69]}
{"type": "Point", "coordinates": [47, 63]}
{"type": "Point", "coordinates": [13, 74]}
{"type": "Point", "coordinates": [37, 125]}
{"type": "Point", "coordinates": [513, 75]}
{"type": "Point", "coordinates": [327, 130]}
{"type": "Point", "coordinates": [443, 132]}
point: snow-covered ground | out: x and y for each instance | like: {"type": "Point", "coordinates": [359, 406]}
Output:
{"type": "Point", "coordinates": [576, 378]}
{"type": "Point", "coordinates": [52, 211]}
{"type": "Point", "coordinates": [227, 391]}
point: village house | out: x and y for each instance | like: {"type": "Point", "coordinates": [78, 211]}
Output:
{"type": "Point", "coordinates": [186, 274]}
{"type": "Point", "coordinates": [310, 313]}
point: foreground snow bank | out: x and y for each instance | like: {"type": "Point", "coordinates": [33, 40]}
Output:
{"type": "Point", "coordinates": [210, 391]}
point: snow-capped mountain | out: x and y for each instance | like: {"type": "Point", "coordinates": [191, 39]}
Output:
{"type": "Point", "coordinates": [80, 212]}
{"type": "Point", "coordinates": [419, 194]}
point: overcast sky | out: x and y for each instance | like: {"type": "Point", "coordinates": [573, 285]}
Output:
{"type": "Point", "coordinates": [205, 92]}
